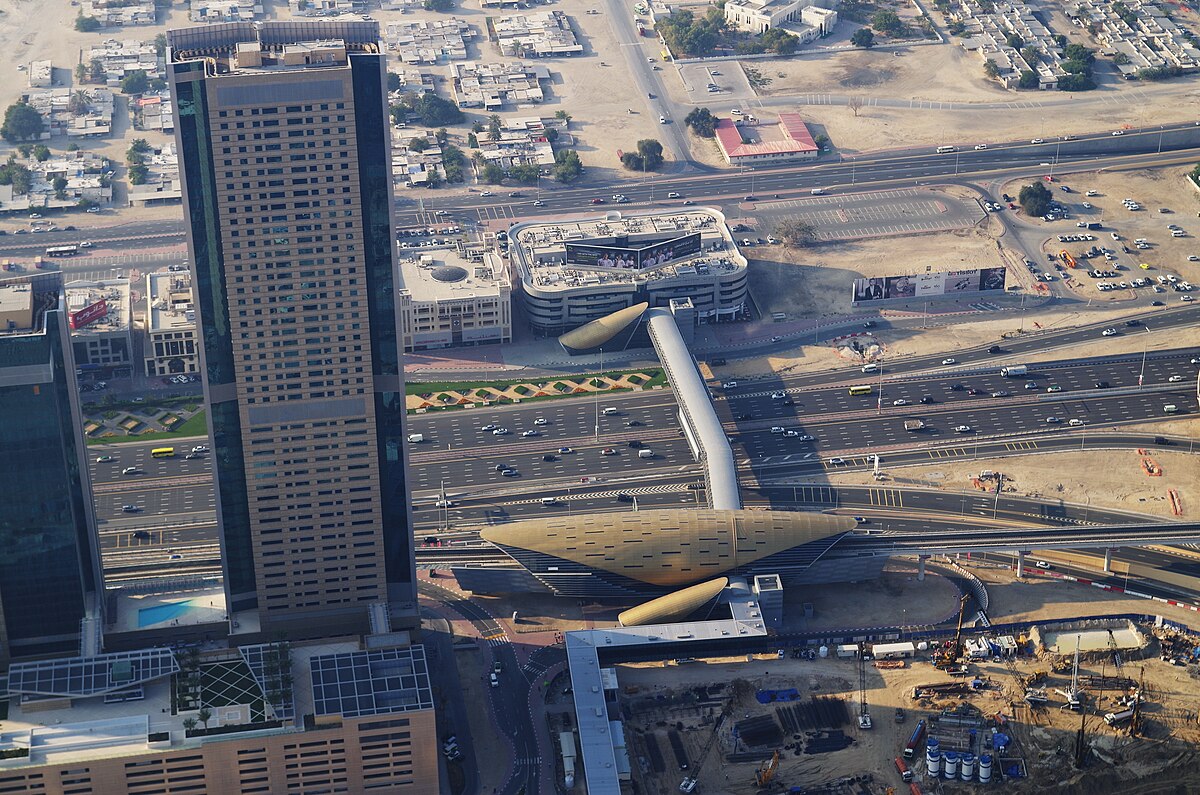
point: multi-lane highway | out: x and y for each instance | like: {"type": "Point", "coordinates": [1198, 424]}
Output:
{"type": "Point", "coordinates": [1141, 147]}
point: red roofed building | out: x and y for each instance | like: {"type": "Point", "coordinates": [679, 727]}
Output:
{"type": "Point", "coordinates": [789, 140]}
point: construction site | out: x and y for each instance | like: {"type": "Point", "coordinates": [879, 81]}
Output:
{"type": "Point", "coordinates": [1097, 706]}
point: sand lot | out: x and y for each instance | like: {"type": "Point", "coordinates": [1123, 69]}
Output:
{"type": "Point", "coordinates": [1073, 477]}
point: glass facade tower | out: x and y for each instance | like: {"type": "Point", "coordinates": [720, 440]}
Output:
{"type": "Point", "coordinates": [285, 159]}
{"type": "Point", "coordinates": [49, 571]}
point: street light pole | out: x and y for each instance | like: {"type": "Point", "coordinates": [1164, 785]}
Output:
{"type": "Point", "coordinates": [598, 398]}
{"type": "Point", "coordinates": [1145, 346]}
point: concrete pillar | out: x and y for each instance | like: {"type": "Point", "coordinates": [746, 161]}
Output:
{"type": "Point", "coordinates": [1020, 565]}
{"type": "Point", "coordinates": [921, 567]}
{"type": "Point", "coordinates": [1108, 560]}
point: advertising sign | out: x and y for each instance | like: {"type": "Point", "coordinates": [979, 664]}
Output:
{"type": "Point", "coordinates": [928, 285]}
{"type": "Point", "coordinates": [651, 255]}
{"type": "Point", "coordinates": [89, 314]}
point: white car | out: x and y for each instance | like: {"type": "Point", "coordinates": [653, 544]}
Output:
{"type": "Point", "coordinates": [488, 427]}
{"type": "Point", "coordinates": [1108, 332]}
{"type": "Point", "coordinates": [662, 119]}
{"type": "Point", "coordinates": [778, 395]}
{"type": "Point", "coordinates": [444, 504]}
{"type": "Point", "coordinates": [1186, 299]}
{"type": "Point", "coordinates": [899, 402]}
{"type": "Point", "coordinates": [1037, 141]}
{"type": "Point", "coordinates": [541, 421]}
{"type": "Point", "coordinates": [949, 361]}
{"type": "Point", "coordinates": [1052, 420]}
{"type": "Point", "coordinates": [1118, 132]}
{"type": "Point", "coordinates": [979, 147]}
{"type": "Point", "coordinates": [1175, 379]}
{"type": "Point", "coordinates": [1075, 422]}
{"type": "Point", "coordinates": [962, 428]}
{"type": "Point", "coordinates": [529, 433]}
{"type": "Point", "coordinates": [777, 429]}
{"type": "Point", "coordinates": [200, 448]}
{"type": "Point", "coordinates": [500, 432]}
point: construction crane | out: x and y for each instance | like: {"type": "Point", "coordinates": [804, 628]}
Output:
{"type": "Point", "coordinates": [766, 771]}
{"type": "Point", "coordinates": [952, 652]}
{"type": "Point", "coordinates": [688, 784]}
{"type": "Point", "coordinates": [864, 715]}
{"type": "Point", "coordinates": [1073, 694]}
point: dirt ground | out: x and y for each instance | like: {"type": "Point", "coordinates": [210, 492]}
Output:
{"type": "Point", "coordinates": [1153, 189]}
{"type": "Point", "coordinates": [947, 74]}
{"type": "Point", "coordinates": [1120, 484]}
{"type": "Point", "coordinates": [661, 697]}
{"type": "Point", "coordinates": [816, 282]}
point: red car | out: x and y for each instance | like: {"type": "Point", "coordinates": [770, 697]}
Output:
{"type": "Point", "coordinates": [597, 201]}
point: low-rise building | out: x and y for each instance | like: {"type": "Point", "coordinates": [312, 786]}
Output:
{"type": "Point", "coordinates": [747, 142]}
{"type": "Point", "coordinates": [119, 58]}
{"type": "Point", "coordinates": [486, 4]}
{"type": "Point", "coordinates": [117, 13]}
{"type": "Point", "coordinates": [575, 270]}
{"type": "Point", "coordinates": [41, 74]}
{"type": "Point", "coordinates": [171, 345]}
{"type": "Point", "coordinates": [524, 141]}
{"type": "Point", "coordinates": [1138, 36]}
{"type": "Point", "coordinates": [416, 165]}
{"type": "Point", "coordinates": [154, 112]}
{"type": "Point", "coordinates": [162, 180]}
{"type": "Point", "coordinates": [759, 16]}
{"type": "Point", "coordinates": [990, 28]}
{"type": "Point", "coordinates": [451, 297]}
{"type": "Point", "coordinates": [210, 11]}
{"type": "Point", "coordinates": [326, 8]}
{"type": "Point", "coordinates": [542, 35]}
{"type": "Point", "coordinates": [101, 318]}
{"type": "Point", "coordinates": [84, 112]}
{"type": "Point", "coordinates": [84, 175]}
{"type": "Point", "coordinates": [429, 41]}
{"type": "Point", "coordinates": [492, 86]}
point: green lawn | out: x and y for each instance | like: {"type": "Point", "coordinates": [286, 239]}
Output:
{"type": "Point", "coordinates": [196, 426]}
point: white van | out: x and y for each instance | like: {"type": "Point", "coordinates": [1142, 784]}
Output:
{"type": "Point", "coordinates": [870, 368]}
{"type": "Point", "coordinates": [549, 500]}
{"type": "Point", "coordinates": [818, 191]}
{"type": "Point", "coordinates": [416, 437]}
{"type": "Point", "coordinates": [608, 412]}
{"type": "Point", "coordinates": [645, 452]}
{"type": "Point", "coordinates": [1170, 408]}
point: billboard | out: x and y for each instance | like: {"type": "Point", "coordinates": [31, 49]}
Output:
{"type": "Point", "coordinates": [89, 314]}
{"type": "Point", "coordinates": [928, 285]}
{"type": "Point", "coordinates": [651, 255]}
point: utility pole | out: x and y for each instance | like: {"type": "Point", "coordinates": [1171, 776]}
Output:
{"type": "Point", "coordinates": [597, 393]}
{"type": "Point", "coordinates": [1145, 346]}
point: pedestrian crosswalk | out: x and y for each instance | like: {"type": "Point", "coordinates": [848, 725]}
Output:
{"type": "Point", "coordinates": [667, 488]}
{"type": "Point", "coordinates": [1021, 446]}
{"type": "Point", "coordinates": [889, 498]}
{"type": "Point", "coordinates": [816, 495]}
{"type": "Point", "coordinates": [528, 761]}
{"type": "Point", "coordinates": [496, 638]}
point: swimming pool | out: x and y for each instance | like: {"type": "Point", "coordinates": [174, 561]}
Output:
{"type": "Point", "coordinates": [148, 616]}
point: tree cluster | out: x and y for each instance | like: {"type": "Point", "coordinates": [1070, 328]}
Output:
{"type": "Point", "coordinates": [888, 23]}
{"type": "Point", "coordinates": [135, 156]}
{"type": "Point", "coordinates": [426, 109]}
{"type": "Point", "coordinates": [1034, 199]}
{"type": "Point", "coordinates": [702, 122]}
{"type": "Point", "coordinates": [776, 40]}
{"type": "Point", "coordinates": [687, 34]}
{"type": "Point", "coordinates": [796, 233]}
{"type": "Point", "coordinates": [863, 37]}
{"type": "Point", "coordinates": [648, 156]}
{"type": "Point", "coordinates": [567, 165]}
{"type": "Point", "coordinates": [17, 175]}
{"type": "Point", "coordinates": [21, 123]}
{"type": "Point", "coordinates": [86, 24]}
{"type": "Point", "coordinates": [1077, 63]}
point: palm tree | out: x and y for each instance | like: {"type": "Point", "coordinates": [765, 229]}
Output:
{"type": "Point", "coordinates": [79, 103]}
{"type": "Point", "coordinates": [189, 724]}
{"type": "Point", "coordinates": [204, 715]}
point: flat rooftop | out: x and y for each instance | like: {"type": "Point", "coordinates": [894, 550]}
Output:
{"type": "Point", "coordinates": [540, 248]}
{"type": "Point", "coordinates": [445, 274]}
{"type": "Point", "coordinates": [115, 292]}
{"type": "Point", "coordinates": [241, 47]}
{"type": "Point", "coordinates": [170, 304]}
{"type": "Point", "coordinates": [24, 301]}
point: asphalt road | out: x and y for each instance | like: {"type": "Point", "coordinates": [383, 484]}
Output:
{"type": "Point", "coordinates": [892, 167]}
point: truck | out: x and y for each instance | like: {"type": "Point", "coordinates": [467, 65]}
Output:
{"type": "Point", "coordinates": [1014, 371]}
{"type": "Point", "coordinates": [902, 769]}
{"type": "Point", "coordinates": [915, 740]}
{"type": "Point", "coordinates": [913, 426]}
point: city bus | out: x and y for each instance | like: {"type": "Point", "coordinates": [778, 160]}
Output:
{"type": "Point", "coordinates": [62, 251]}
{"type": "Point", "coordinates": [163, 452]}
{"type": "Point", "coordinates": [945, 150]}
{"type": "Point", "coordinates": [860, 390]}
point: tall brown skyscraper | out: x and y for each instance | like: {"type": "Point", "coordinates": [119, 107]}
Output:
{"type": "Point", "coordinates": [284, 145]}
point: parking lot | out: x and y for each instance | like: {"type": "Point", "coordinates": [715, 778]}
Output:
{"type": "Point", "coordinates": [729, 79]}
{"type": "Point", "coordinates": [891, 212]}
